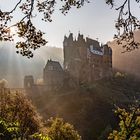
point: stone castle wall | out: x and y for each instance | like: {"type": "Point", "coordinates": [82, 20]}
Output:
{"type": "Point", "coordinates": [86, 60]}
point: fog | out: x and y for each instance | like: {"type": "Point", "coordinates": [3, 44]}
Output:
{"type": "Point", "coordinates": [128, 62]}
{"type": "Point", "coordinates": [13, 67]}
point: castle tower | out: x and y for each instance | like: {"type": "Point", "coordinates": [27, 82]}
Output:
{"type": "Point", "coordinates": [68, 45]}
{"type": "Point", "coordinates": [86, 60]}
{"type": "Point", "coordinates": [28, 81]}
{"type": "Point", "coordinates": [53, 75]}
{"type": "Point", "coordinates": [82, 47]}
{"type": "Point", "coordinates": [107, 60]}
{"type": "Point", "coordinates": [107, 51]}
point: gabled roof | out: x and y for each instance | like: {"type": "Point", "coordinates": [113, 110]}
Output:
{"type": "Point", "coordinates": [54, 64]}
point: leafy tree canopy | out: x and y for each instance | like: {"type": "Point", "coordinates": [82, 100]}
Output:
{"type": "Point", "coordinates": [59, 130]}
{"type": "Point", "coordinates": [16, 108]}
{"type": "Point", "coordinates": [12, 131]}
{"type": "Point", "coordinates": [20, 120]}
{"type": "Point", "coordinates": [32, 38]}
{"type": "Point", "coordinates": [129, 125]}
{"type": "Point", "coordinates": [8, 130]}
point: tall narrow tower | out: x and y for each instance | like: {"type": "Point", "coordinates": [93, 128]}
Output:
{"type": "Point", "coordinates": [68, 44]}
{"type": "Point", "coordinates": [28, 81]}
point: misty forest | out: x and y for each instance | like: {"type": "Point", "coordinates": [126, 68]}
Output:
{"type": "Point", "coordinates": [69, 70]}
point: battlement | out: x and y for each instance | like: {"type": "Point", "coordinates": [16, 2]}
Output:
{"type": "Point", "coordinates": [91, 44]}
{"type": "Point", "coordinates": [86, 54]}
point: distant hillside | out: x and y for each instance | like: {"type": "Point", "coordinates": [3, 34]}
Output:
{"type": "Point", "coordinates": [14, 67]}
{"type": "Point", "coordinates": [128, 62]}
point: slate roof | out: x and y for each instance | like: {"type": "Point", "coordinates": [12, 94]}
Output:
{"type": "Point", "coordinates": [54, 64]}
{"type": "Point", "coordinates": [95, 43]}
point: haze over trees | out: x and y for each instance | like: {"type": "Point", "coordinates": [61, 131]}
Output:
{"type": "Point", "coordinates": [19, 119]}
{"type": "Point", "coordinates": [12, 66]}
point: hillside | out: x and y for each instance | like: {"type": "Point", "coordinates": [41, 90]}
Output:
{"type": "Point", "coordinates": [89, 107]}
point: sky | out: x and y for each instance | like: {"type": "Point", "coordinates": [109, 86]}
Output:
{"type": "Point", "coordinates": [95, 20]}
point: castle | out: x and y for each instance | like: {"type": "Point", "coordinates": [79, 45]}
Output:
{"type": "Point", "coordinates": [85, 61]}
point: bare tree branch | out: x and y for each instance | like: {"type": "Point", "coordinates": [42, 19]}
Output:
{"type": "Point", "coordinates": [15, 7]}
{"type": "Point", "coordinates": [126, 23]}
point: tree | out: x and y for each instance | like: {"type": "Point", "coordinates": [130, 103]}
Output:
{"type": "Point", "coordinates": [59, 130]}
{"type": "Point", "coordinates": [15, 107]}
{"type": "Point", "coordinates": [8, 130]}
{"type": "Point", "coordinates": [19, 119]}
{"type": "Point", "coordinates": [11, 131]}
{"type": "Point", "coordinates": [129, 125]}
{"type": "Point", "coordinates": [33, 38]}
